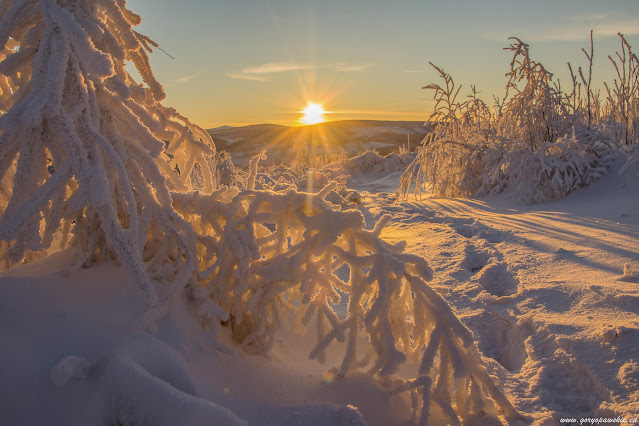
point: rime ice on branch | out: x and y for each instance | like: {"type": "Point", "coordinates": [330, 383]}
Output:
{"type": "Point", "coordinates": [538, 143]}
{"type": "Point", "coordinates": [266, 255]}
{"type": "Point", "coordinates": [82, 145]}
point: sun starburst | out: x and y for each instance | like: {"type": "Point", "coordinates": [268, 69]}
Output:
{"type": "Point", "coordinates": [313, 114]}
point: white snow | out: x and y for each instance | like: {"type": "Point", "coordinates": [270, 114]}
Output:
{"type": "Point", "coordinates": [547, 290]}
{"type": "Point", "coordinates": [79, 353]}
{"type": "Point", "coordinates": [70, 367]}
{"type": "Point", "coordinates": [369, 132]}
{"type": "Point", "coordinates": [231, 141]}
{"type": "Point", "coordinates": [355, 147]}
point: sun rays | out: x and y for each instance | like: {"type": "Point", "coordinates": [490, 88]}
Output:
{"type": "Point", "coordinates": [313, 114]}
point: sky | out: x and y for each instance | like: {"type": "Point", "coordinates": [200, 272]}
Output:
{"type": "Point", "coordinates": [240, 62]}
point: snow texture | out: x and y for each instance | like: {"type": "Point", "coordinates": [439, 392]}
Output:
{"type": "Point", "coordinates": [267, 255]}
{"type": "Point", "coordinates": [70, 368]}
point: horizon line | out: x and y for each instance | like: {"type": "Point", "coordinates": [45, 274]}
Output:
{"type": "Point", "coordinates": [296, 124]}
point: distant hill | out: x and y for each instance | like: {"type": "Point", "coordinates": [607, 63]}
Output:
{"type": "Point", "coordinates": [222, 128]}
{"type": "Point", "coordinates": [352, 136]}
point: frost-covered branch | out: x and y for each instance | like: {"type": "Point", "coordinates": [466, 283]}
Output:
{"type": "Point", "coordinates": [87, 155]}
{"type": "Point", "coordinates": [266, 256]}
{"type": "Point", "coordinates": [539, 144]}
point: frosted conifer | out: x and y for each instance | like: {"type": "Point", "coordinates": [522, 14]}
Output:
{"type": "Point", "coordinates": [84, 148]}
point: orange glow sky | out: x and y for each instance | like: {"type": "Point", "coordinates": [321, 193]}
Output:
{"type": "Point", "coordinates": [248, 62]}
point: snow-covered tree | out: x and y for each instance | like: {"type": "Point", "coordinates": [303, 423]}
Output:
{"type": "Point", "coordinates": [87, 154]}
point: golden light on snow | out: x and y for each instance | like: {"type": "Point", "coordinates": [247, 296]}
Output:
{"type": "Point", "coordinates": [313, 114]}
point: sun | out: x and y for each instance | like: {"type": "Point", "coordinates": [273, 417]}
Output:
{"type": "Point", "coordinates": [313, 114]}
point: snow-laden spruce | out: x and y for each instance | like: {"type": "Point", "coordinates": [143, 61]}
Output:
{"type": "Point", "coordinates": [96, 151]}
{"type": "Point", "coordinates": [90, 158]}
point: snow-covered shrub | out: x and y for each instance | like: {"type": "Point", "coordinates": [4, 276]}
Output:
{"type": "Point", "coordinates": [622, 102]}
{"type": "Point", "coordinates": [226, 172]}
{"type": "Point", "coordinates": [549, 172]}
{"type": "Point", "coordinates": [454, 155]}
{"type": "Point", "coordinates": [622, 106]}
{"type": "Point", "coordinates": [539, 144]}
{"type": "Point", "coordinates": [631, 167]}
{"type": "Point", "coordinates": [85, 151]}
{"type": "Point", "coordinates": [372, 162]}
{"type": "Point", "coordinates": [452, 168]}
{"type": "Point", "coordinates": [283, 178]}
{"type": "Point", "coordinates": [535, 112]}
{"type": "Point", "coordinates": [266, 256]}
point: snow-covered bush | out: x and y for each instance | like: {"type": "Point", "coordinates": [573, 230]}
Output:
{"type": "Point", "coordinates": [539, 144]}
{"type": "Point", "coordinates": [452, 168]}
{"type": "Point", "coordinates": [622, 102]}
{"type": "Point", "coordinates": [283, 178]}
{"type": "Point", "coordinates": [86, 153]}
{"type": "Point", "coordinates": [309, 152]}
{"type": "Point", "coordinates": [622, 105]}
{"type": "Point", "coordinates": [535, 112]}
{"type": "Point", "coordinates": [226, 172]}
{"type": "Point", "coordinates": [266, 256]}
{"type": "Point", "coordinates": [371, 162]}
{"type": "Point", "coordinates": [549, 172]}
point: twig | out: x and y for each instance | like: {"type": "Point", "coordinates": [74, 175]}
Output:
{"type": "Point", "coordinates": [165, 52]}
{"type": "Point", "coordinates": [501, 318]}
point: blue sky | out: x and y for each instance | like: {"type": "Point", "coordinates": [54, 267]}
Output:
{"type": "Point", "coordinates": [245, 62]}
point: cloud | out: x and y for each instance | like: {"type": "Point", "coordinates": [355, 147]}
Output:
{"type": "Point", "coordinates": [265, 71]}
{"type": "Point", "coordinates": [262, 72]}
{"type": "Point", "coordinates": [186, 78]}
{"type": "Point", "coordinates": [349, 68]}
{"type": "Point", "coordinates": [183, 80]}
{"type": "Point", "coordinates": [276, 67]}
{"type": "Point", "coordinates": [602, 29]}
{"type": "Point", "coordinates": [241, 76]}
{"type": "Point", "coordinates": [577, 28]}
{"type": "Point", "coordinates": [588, 17]}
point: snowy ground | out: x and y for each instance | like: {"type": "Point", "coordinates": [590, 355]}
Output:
{"type": "Point", "coordinates": [543, 289]}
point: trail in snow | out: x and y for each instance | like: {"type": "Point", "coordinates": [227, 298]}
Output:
{"type": "Point", "coordinates": [548, 290]}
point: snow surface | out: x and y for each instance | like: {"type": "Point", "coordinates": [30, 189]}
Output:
{"type": "Point", "coordinates": [231, 141]}
{"type": "Point", "coordinates": [549, 291]}
{"type": "Point", "coordinates": [378, 130]}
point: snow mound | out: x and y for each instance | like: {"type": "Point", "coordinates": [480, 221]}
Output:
{"type": "Point", "coordinates": [629, 375]}
{"type": "Point", "coordinates": [371, 163]}
{"type": "Point", "coordinates": [628, 274]}
{"type": "Point", "coordinates": [70, 367]}
{"type": "Point", "coordinates": [497, 280]}
{"type": "Point", "coordinates": [123, 372]}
